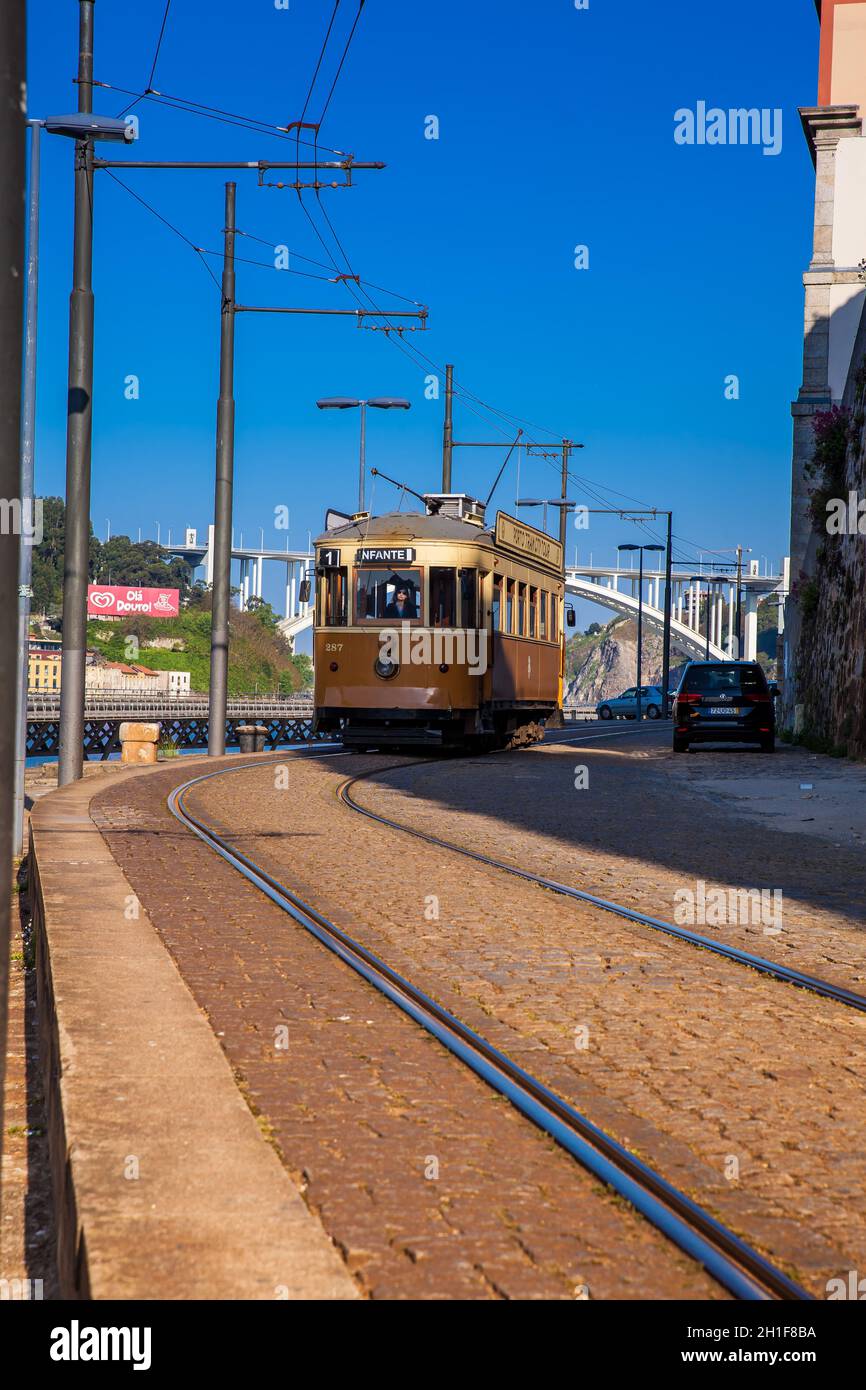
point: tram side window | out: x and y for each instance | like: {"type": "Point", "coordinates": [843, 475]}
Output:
{"type": "Point", "coordinates": [468, 598]}
{"type": "Point", "coordinates": [497, 603]}
{"type": "Point", "coordinates": [554, 610]}
{"type": "Point", "coordinates": [332, 598]}
{"type": "Point", "coordinates": [533, 608]}
{"type": "Point", "coordinates": [542, 610]}
{"type": "Point", "coordinates": [521, 609]}
{"type": "Point", "coordinates": [509, 605]}
{"type": "Point", "coordinates": [443, 597]}
{"type": "Point", "coordinates": [387, 595]}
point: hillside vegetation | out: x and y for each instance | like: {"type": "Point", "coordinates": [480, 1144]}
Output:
{"type": "Point", "coordinates": [118, 561]}
{"type": "Point", "coordinates": [259, 657]}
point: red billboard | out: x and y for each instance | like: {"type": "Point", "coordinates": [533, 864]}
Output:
{"type": "Point", "coordinates": [120, 601]}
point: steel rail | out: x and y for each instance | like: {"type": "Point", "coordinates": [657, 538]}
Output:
{"type": "Point", "coordinates": [826, 989]}
{"type": "Point", "coordinates": [734, 1264]}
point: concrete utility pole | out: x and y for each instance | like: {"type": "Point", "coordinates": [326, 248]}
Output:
{"type": "Point", "coordinates": [448, 430]}
{"type": "Point", "coordinates": [79, 416]}
{"type": "Point", "coordinates": [563, 512]}
{"type": "Point", "coordinates": [12, 162]}
{"type": "Point", "coordinates": [362, 460]}
{"type": "Point", "coordinates": [76, 549]}
{"type": "Point", "coordinates": [222, 544]}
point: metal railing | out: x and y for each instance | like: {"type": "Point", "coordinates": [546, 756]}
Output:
{"type": "Point", "coordinates": [108, 703]}
{"type": "Point", "coordinates": [575, 712]}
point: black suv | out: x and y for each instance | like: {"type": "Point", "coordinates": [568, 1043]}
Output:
{"type": "Point", "coordinates": [724, 702]}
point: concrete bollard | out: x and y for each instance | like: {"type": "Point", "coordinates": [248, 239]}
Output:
{"type": "Point", "coordinates": [138, 743]}
{"type": "Point", "coordinates": [252, 737]}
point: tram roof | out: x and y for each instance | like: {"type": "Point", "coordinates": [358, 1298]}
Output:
{"type": "Point", "coordinates": [412, 526]}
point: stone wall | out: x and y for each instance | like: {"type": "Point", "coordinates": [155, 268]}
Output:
{"type": "Point", "coordinates": [829, 661]}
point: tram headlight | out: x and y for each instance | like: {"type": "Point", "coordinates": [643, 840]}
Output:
{"type": "Point", "coordinates": [385, 668]}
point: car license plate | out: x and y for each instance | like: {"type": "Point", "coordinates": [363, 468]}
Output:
{"type": "Point", "coordinates": [724, 709]}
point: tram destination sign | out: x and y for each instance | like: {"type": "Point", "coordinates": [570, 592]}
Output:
{"type": "Point", "coordinates": [385, 555]}
{"type": "Point", "coordinates": [519, 539]}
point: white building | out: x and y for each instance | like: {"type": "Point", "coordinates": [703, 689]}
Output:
{"type": "Point", "coordinates": [129, 676]}
{"type": "Point", "coordinates": [834, 281]}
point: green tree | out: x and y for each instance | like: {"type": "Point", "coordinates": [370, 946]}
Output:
{"type": "Point", "coordinates": [48, 557]}
{"type": "Point", "coordinates": [264, 612]}
{"type": "Point", "coordinates": [119, 561]}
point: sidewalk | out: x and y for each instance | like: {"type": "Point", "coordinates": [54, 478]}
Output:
{"type": "Point", "coordinates": [164, 1184]}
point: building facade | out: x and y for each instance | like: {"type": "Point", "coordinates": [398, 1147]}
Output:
{"type": "Point", "coordinates": [129, 676]}
{"type": "Point", "coordinates": [43, 670]}
{"type": "Point", "coordinates": [44, 676]}
{"type": "Point", "coordinates": [834, 280]}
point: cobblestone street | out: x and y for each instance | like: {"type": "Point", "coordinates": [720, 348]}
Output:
{"type": "Point", "coordinates": [745, 1092]}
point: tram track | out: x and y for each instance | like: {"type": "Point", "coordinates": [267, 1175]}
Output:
{"type": "Point", "coordinates": [825, 989]}
{"type": "Point", "coordinates": [737, 1266]}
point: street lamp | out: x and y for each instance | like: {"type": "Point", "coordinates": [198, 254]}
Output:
{"type": "Point", "coordinates": [83, 127]}
{"type": "Point", "coordinates": [641, 549]}
{"type": "Point", "coordinates": [78, 126]}
{"type": "Point", "coordinates": [350, 403]}
{"type": "Point", "coordinates": [546, 502]}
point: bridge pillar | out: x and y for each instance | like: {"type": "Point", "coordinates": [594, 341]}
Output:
{"type": "Point", "coordinates": [208, 559]}
{"type": "Point", "coordinates": [751, 628]}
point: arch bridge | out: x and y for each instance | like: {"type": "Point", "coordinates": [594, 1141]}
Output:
{"type": "Point", "coordinates": [610, 586]}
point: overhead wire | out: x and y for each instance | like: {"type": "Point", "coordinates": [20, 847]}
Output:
{"type": "Point", "coordinates": [393, 332]}
{"type": "Point", "coordinates": [158, 215]}
{"type": "Point", "coordinates": [216, 113]}
{"type": "Point", "coordinates": [342, 61]}
{"type": "Point", "coordinates": [153, 64]}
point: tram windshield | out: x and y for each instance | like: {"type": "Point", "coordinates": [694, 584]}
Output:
{"type": "Point", "coordinates": [387, 595]}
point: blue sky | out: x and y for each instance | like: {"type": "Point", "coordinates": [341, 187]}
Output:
{"type": "Point", "coordinates": [556, 129]}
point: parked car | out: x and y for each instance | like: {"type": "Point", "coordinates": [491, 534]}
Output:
{"type": "Point", "coordinates": [724, 702]}
{"type": "Point", "coordinates": [624, 706]}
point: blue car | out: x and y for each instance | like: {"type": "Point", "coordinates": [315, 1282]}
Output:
{"type": "Point", "coordinates": [624, 706]}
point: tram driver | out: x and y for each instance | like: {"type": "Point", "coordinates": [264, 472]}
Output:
{"type": "Point", "coordinates": [402, 605]}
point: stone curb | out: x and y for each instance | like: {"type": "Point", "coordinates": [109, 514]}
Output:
{"type": "Point", "coordinates": [136, 1082]}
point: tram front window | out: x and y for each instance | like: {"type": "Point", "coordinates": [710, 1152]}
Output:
{"type": "Point", "coordinates": [332, 598]}
{"type": "Point", "coordinates": [386, 595]}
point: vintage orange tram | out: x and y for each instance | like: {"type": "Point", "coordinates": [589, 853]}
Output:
{"type": "Point", "coordinates": [433, 628]}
